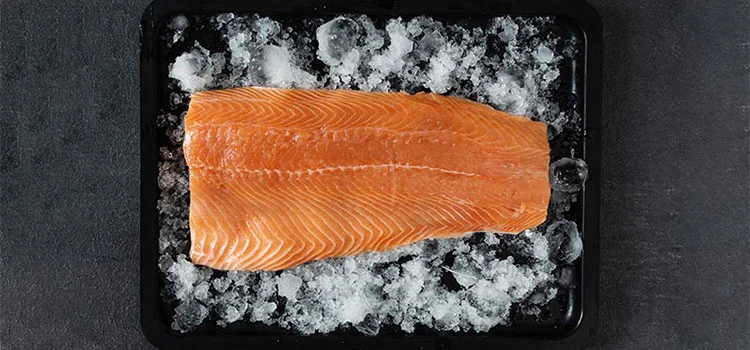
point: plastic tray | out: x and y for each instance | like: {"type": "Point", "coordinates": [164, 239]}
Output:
{"type": "Point", "coordinates": [576, 319]}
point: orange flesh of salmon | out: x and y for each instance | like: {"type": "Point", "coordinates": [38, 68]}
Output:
{"type": "Point", "coordinates": [282, 177]}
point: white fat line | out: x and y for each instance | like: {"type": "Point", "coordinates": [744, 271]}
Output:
{"type": "Point", "coordinates": [298, 173]}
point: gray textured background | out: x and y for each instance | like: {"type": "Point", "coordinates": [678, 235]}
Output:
{"type": "Point", "coordinates": [675, 157]}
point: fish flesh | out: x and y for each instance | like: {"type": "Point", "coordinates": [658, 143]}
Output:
{"type": "Point", "coordinates": [280, 177]}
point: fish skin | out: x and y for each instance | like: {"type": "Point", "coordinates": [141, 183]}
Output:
{"type": "Point", "coordinates": [280, 177]}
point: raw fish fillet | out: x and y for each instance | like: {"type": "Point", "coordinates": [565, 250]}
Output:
{"type": "Point", "coordinates": [282, 177]}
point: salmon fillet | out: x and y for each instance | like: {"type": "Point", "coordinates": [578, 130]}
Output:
{"type": "Point", "coordinates": [282, 177]}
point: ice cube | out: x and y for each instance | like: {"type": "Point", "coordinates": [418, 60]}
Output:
{"type": "Point", "coordinates": [165, 262]}
{"type": "Point", "coordinates": [566, 277]}
{"type": "Point", "coordinates": [221, 284]}
{"type": "Point", "coordinates": [188, 315]}
{"type": "Point", "coordinates": [565, 244]}
{"type": "Point", "coordinates": [550, 76]}
{"type": "Point", "coordinates": [336, 39]}
{"type": "Point", "coordinates": [568, 174]}
{"type": "Point", "coordinates": [543, 54]}
{"type": "Point", "coordinates": [369, 326]}
{"type": "Point", "coordinates": [263, 311]}
{"type": "Point", "coordinates": [572, 250]}
{"type": "Point", "coordinates": [288, 285]}
{"type": "Point", "coordinates": [179, 22]}
{"type": "Point", "coordinates": [201, 291]}
{"type": "Point", "coordinates": [465, 271]}
{"type": "Point", "coordinates": [232, 314]}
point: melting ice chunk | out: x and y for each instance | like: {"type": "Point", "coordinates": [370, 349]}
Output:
{"type": "Point", "coordinates": [369, 326]}
{"type": "Point", "coordinates": [189, 314]}
{"type": "Point", "coordinates": [564, 242]}
{"type": "Point", "coordinates": [179, 22]}
{"type": "Point", "coordinates": [568, 174]}
{"type": "Point", "coordinates": [336, 39]}
{"type": "Point", "coordinates": [566, 277]}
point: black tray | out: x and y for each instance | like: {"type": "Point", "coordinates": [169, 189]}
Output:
{"type": "Point", "coordinates": [578, 317]}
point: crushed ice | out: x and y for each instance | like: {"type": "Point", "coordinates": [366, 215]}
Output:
{"type": "Point", "coordinates": [462, 284]}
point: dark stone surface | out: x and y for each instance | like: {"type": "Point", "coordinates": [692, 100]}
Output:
{"type": "Point", "coordinates": [675, 163]}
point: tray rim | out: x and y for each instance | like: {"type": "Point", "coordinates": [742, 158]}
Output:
{"type": "Point", "coordinates": [581, 333]}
